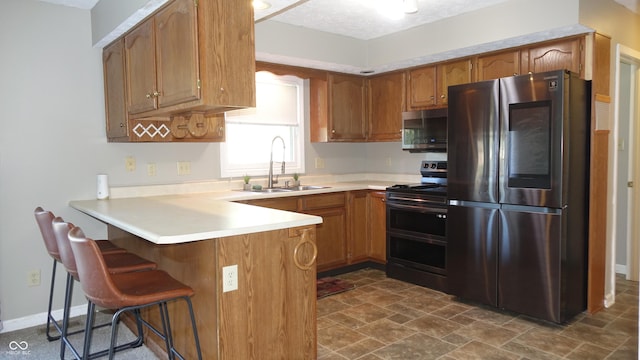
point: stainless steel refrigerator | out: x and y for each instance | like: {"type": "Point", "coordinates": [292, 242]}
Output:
{"type": "Point", "coordinates": [518, 151]}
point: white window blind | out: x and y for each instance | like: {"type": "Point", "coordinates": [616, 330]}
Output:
{"type": "Point", "coordinates": [279, 111]}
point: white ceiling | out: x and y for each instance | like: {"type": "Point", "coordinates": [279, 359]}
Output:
{"type": "Point", "coordinates": [362, 19]}
{"type": "Point", "coordinates": [359, 19]}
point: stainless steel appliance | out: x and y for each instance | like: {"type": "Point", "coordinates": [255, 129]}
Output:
{"type": "Point", "coordinates": [424, 130]}
{"type": "Point", "coordinates": [518, 155]}
{"type": "Point", "coordinates": [416, 228]}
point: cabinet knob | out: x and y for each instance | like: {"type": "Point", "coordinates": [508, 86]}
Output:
{"type": "Point", "coordinates": [333, 131]}
{"type": "Point", "coordinates": [156, 94]}
{"type": "Point", "coordinates": [148, 96]}
{"type": "Point", "coordinates": [121, 125]}
{"type": "Point", "coordinates": [220, 130]}
{"type": "Point", "coordinates": [442, 96]}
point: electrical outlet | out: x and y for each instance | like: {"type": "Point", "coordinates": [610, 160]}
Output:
{"type": "Point", "coordinates": [151, 169]}
{"type": "Point", "coordinates": [319, 163]}
{"type": "Point", "coordinates": [184, 167]}
{"type": "Point", "coordinates": [130, 163]}
{"type": "Point", "coordinates": [33, 278]}
{"type": "Point", "coordinates": [229, 278]}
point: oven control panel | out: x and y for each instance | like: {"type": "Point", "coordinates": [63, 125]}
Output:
{"type": "Point", "coordinates": [433, 167]}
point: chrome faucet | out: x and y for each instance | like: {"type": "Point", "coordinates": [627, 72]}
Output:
{"type": "Point", "coordinates": [270, 182]}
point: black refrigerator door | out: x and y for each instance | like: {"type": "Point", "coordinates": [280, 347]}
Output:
{"type": "Point", "coordinates": [531, 139]}
{"type": "Point", "coordinates": [472, 240]}
{"type": "Point", "coordinates": [472, 133]}
{"type": "Point", "coordinates": [530, 262]}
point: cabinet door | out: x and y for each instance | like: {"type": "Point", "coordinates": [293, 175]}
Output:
{"type": "Point", "coordinates": [452, 73]}
{"type": "Point", "coordinates": [357, 209]}
{"type": "Point", "coordinates": [377, 220]}
{"type": "Point", "coordinates": [347, 107]}
{"type": "Point", "coordinates": [565, 54]}
{"type": "Point", "coordinates": [421, 88]}
{"type": "Point", "coordinates": [331, 238]}
{"type": "Point", "coordinates": [276, 295]}
{"type": "Point", "coordinates": [141, 68]}
{"type": "Point", "coordinates": [177, 53]}
{"type": "Point", "coordinates": [498, 65]}
{"type": "Point", "coordinates": [386, 102]}
{"type": "Point", "coordinates": [114, 89]}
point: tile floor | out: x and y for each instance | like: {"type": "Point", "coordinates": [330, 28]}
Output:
{"type": "Point", "coordinates": [388, 319]}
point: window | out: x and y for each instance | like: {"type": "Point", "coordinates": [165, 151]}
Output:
{"type": "Point", "coordinates": [250, 133]}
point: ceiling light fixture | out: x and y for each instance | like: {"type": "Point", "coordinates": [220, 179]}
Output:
{"type": "Point", "coordinates": [410, 6]}
{"type": "Point", "coordinates": [260, 5]}
{"type": "Point", "coordinates": [397, 9]}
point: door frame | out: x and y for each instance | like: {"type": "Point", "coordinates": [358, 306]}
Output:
{"type": "Point", "coordinates": [624, 55]}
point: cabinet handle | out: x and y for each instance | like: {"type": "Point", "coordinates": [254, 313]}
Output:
{"type": "Point", "coordinates": [220, 130]}
{"type": "Point", "coordinates": [304, 239]}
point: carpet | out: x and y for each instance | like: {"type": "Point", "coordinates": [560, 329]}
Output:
{"type": "Point", "coordinates": [330, 286]}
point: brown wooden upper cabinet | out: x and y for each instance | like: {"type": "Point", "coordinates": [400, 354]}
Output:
{"type": "Point", "coordinates": [347, 111]}
{"type": "Point", "coordinates": [161, 57]}
{"type": "Point", "coordinates": [565, 54]}
{"type": "Point", "coordinates": [427, 86]}
{"type": "Point", "coordinates": [188, 57]}
{"type": "Point", "coordinates": [386, 101]}
{"type": "Point", "coordinates": [114, 90]}
{"type": "Point", "coordinates": [495, 66]}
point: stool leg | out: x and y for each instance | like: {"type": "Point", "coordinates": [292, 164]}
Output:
{"type": "Point", "coordinates": [88, 330]}
{"type": "Point", "coordinates": [166, 327]}
{"type": "Point", "coordinates": [65, 318]}
{"type": "Point", "coordinates": [195, 329]}
{"type": "Point", "coordinates": [50, 318]}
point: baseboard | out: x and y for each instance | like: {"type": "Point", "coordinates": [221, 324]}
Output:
{"type": "Point", "coordinates": [352, 267]}
{"type": "Point", "coordinates": [621, 269]}
{"type": "Point", "coordinates": [39, 319]}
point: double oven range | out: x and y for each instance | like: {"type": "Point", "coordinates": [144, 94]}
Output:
{"type": "Point", "coordinates": [416, 228]}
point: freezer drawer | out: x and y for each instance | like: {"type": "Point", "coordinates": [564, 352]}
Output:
{"type": "Point", "coordinates": [530, 262]}
{"type": "Point", "coordinates": [472, 251]}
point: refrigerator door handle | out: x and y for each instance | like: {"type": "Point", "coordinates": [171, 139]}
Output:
{"type": "Point", "coordinates": [533, 209]}
{"type": "Point", "coordinates": [475, 204]}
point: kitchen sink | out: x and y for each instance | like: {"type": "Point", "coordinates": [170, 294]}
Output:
{"type": "Point", "coordinates": [307, 187]}
{"type": "Point", "coordinates": [289, 189]}
{"type": "Point", "coordinates": [272, 190]}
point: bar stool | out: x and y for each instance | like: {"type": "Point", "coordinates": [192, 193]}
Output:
{"type": "Point", "coordinates": [115, 262]}
{"type": "Point", "coordinates": [127, 292]}
{"type": "Point", "coordinates": [44, 218]}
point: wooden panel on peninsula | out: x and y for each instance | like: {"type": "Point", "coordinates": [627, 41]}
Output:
{"type": "Point", "coordinates": [272, 315]}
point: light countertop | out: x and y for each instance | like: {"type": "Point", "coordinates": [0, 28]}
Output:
{"type": "Point", "coordinates": [171, 219]}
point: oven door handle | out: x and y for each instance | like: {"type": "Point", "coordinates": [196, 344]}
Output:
{"type": "Point", "coordinates": [422, 209]}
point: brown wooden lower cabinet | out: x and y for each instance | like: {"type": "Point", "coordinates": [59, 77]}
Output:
{"type": "Point", "coordinates": [353, 229]}
{"type": "Point", "coordinates": [377, 229]}
{"type": "Point", "coordinates": [272, 315]}
{"type": "Point", "coordinates": [357, 216]}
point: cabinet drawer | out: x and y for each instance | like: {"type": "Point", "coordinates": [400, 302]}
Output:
{"type": "Point", "coordinates": [322, 201]}
{"type": "Point", "coordinates": [287, 203]}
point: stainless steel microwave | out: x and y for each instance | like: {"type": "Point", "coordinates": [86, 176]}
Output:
{"type": "Point", "coordinates": [424, 130]}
